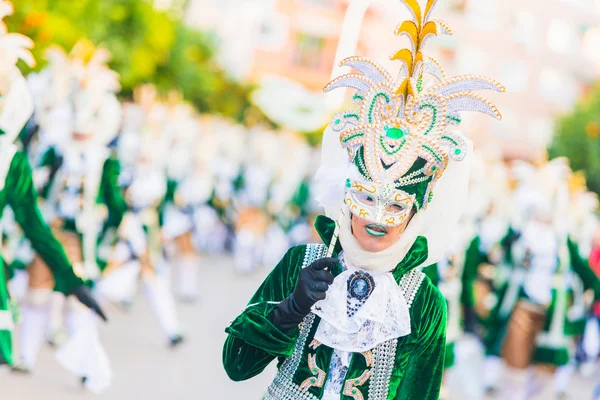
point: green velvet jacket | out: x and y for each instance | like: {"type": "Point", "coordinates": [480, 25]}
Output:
{"type": "Point", "coordinates": [20, 194]}
{"type": "Point", "coordinates": [109, 194]}
{"type": "Point", "coordinates": [415, 362]}
{"type": "Point", "coordinates": [555, 342]}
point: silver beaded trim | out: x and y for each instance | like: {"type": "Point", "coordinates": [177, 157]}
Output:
{"type": "Point", "coordinates": [283, 386]}
{"type": "Point", "coordinates": [313, 253]}
{"type": "Point", "coordinates": [385, 358]}
{"type": "Point", "coordinates": [410, 284]}
{"type": "Point", "coordinates": [385, 353]}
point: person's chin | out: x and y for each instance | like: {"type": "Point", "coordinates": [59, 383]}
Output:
{"type": "Point", "coordinates": [373, 244]}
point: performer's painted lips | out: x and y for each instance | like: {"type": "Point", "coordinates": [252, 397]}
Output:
{"type": "Point", "coordinates": [376, 230]}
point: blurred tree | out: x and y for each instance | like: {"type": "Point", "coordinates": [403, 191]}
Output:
{"type": "Point", "coordinates": [148, 46]}
{"type": "Point", "coordinates": [578, 137]}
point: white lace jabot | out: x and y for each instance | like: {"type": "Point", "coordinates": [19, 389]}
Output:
{"type": "Point", "coordinates": [384, 315]}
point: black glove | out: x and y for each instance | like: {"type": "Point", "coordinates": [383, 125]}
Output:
{"type": "Point", "coordinates": [312, 285]}
{"type": "Point", "coordinates": [84, 295]}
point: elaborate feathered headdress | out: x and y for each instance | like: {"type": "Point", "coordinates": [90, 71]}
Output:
{"type": "Point", "coordinates": [401, 132]}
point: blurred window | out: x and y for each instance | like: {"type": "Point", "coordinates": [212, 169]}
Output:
{"type": "Point", "coordinates": [319, 3]}
{"type": "Point", "coordinates": [472, 61]}
{"type": "Point", "coordinates": [524, 29]}
{"type": "Point", "coordinates": [588, 4]}
{"type": "Point", "coordinates": [562, 36]}
{"type": "Point", "coordinates": [550, 83]}
{"type": "Point", "coordinates": [272, 33]}
{"type": "Point", "coordinates": [558, 88]}
{"type": "Point", "coordinates": [591, 44]}
{"type": "Point", "coordinates": [514, 74]}
{"type": "Point", "coordinates": [482, 14]}
{"type": "Point", "coordinates": [309, 51]}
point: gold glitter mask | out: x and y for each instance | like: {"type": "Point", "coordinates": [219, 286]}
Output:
{"type": "Point", "coordinates": [400, 121]}
{"type": "Point", "coordinates": [380, 204]}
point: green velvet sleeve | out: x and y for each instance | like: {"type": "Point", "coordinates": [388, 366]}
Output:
{"type": "Point", "coordinates": [253, 341]}
{"type": "Point", "coordinates": [473, 258]}
{"type": "Point", "coordinates": [582, 268]}
{"type": "Point", "coordinates": [22, 198]}
{"type": "Point", "coordinates": [423, 375]}
{"type": "Point", "coordinates": [111, 193]}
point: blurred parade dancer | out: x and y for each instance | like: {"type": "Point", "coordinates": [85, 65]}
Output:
{"type": "Point", "coordinates": [288, 198]}
{"type": "Point", "coordinates": [583, 227]}
{"type": "Point", "coordinates": [81, 199]}
{"type": "Point", "coordinates": [547, 272]}
{"type": "Point", "coordinates": [139, 251]}
{"type": "Point", "coordinates": [353, 316]}
{"type": "Point", "coordinates": [252, 219]}
{"type": "Point", "coordinates": [187, 212]}
{"type": "Point", "coordinates": [16, 106]}
{"type": "Point", "coordinates": [488, 210]}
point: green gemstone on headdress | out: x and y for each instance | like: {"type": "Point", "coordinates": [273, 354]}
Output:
{"type": "Point", "coordinates": [337, 121]}
{"type": "Point", "coordinates": [2, 132]}
{"type": "Point", "coordinates": [457, 151]}
{"type": "Point", "coordinates": [396, 133]}
{"type": "Point", "coordinates": [348, 184]}
{"type": "Point", "coordinates": [433, 168]}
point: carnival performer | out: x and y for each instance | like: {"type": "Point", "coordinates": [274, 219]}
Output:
{"type": "Point", "coordinates": [288, 198]}
{"type": "Point", "coordinates": [18, 192]}
{"type": "Point", "coordinates": [548, 277]}
{"type": "Point", "coordinates": [139, 251]}
{"type": "Point", "coordinates": [190, 187]}
{"type": "Point", "coordinates": [82, 198]}
{"type": "Point", "coordinates": [489, 211]}
{"type": "Point", "coordinates": [355, 317]}
{"type": "Point", "coordinates": [251, 221]}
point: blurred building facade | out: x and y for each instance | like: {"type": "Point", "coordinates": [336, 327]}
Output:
{"type": "Point", "coordinates": [539, 50]}
{"type": "Point", "coordinates": [542, 51]}
{"type": "Point", "coordinates": [296, 39]}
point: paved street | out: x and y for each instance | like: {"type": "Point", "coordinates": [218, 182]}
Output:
{"type": "Point", "coordinates": [145, 368]}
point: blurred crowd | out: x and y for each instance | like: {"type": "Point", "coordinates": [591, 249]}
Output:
{"type": "Point", "coordinates": [517, 277]}
{"type": "Point", "coordinates": [135, 191]}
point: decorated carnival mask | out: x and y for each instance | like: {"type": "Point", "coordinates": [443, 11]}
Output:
{"type": "Point", "coordinates": [380, 204]}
